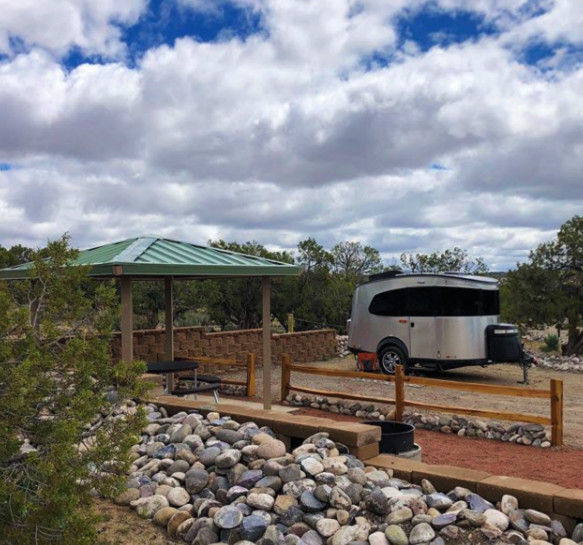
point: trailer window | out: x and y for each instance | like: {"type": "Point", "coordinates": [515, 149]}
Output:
{"type": "Point", "coordinates": [388, 303]}
{"type": "Point", "coordinates": [490, 302]}
{"type": "Point", "coordinates": [420, 301]}
{"type": "Point", "coordinates": [435, 301]}
{"type": "Point", "coordinates": [467, 302]}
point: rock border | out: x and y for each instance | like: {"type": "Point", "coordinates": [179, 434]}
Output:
{"type": "Point", "coordinates": [521, 434]}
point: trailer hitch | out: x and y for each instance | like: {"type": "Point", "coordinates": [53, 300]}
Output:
{"type": "Point", "coordinates": [527, 360]}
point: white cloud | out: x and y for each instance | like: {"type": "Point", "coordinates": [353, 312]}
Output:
{"type": "Point", "coordinates": [286, 134]}
{"type": "Point", "coordinates": [59, 25]}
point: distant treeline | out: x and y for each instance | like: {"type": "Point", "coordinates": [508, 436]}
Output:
{"type": "Point", "coordinates": [547, 290]}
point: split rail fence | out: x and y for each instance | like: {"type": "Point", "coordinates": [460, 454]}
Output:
{"type": "Point", "coordinates": [554, 394]}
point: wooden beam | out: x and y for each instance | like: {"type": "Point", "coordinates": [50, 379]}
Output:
{"type": "Point", "coordinates": [169, 333]}
{"type": "Point", "coordinates": [501, 415]}
{"type": "Point", "coordinates": [250, 375]}
{"type": "Point", "coordinates": [266, 308]}
{"type": "Point", "coordinates": [341, 395]}
{"type": "Point", "coordinates": [285, 376]}
{"type": "Point", "coordinates": [127, 320]}
{"type": "Point", "coordinates": [556, 412]}
{"type": "Point", "coordinates": [169, 311]}
{"type": "Point", "coordinates": [338, 373]}
{"type": "Point", "coordinates": [514, 391]}
{"type": "Point", "coordinates": [399, 393]}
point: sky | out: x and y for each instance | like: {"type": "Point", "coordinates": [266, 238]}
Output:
{"type": "Point", "coordinates": [407, 125]}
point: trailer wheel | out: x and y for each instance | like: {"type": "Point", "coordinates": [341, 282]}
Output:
{"type": "Point", "coordinates": [391, 356]}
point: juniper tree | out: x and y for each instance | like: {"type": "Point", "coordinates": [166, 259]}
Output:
{"type": "Point", "coordinates": [56, 377]}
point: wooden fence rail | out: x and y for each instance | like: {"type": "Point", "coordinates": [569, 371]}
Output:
{"type": "Point", "coordinates": [554, 394]}
{"type": "Point", "coordinates": [249, 364]}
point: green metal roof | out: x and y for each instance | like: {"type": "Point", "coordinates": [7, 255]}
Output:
{"type": "Point", "coordinates": [158, 257]}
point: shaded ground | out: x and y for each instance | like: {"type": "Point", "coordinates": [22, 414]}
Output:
{"type": "Point", "coordinates": [122, 526]}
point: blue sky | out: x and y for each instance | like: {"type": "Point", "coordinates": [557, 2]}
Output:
{"type": "Point", "coordinates": [409, 125]}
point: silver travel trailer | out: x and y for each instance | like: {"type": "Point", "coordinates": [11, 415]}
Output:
{"type": "Point", "coordinates": [432, 320]}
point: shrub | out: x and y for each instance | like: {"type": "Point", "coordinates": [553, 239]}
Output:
{"type": "Point", "coordinates": [55, 376]}
{"type": "Point", "coordinates": [551, 343]}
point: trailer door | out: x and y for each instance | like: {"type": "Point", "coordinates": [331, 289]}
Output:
{"type": "Point", "coordinates": [420, 306]}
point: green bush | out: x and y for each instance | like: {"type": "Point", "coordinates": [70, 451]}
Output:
{"type": "Point", "coordinates": [551, 343]}
{"type": "Point", "coordinates": [55, 376]}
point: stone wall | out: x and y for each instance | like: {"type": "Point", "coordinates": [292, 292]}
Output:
{"type": "Point", "coordinates": [190, 342]}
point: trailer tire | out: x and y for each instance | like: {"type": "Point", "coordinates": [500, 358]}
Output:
{"type": "Point", "coordinates": [390, 356]}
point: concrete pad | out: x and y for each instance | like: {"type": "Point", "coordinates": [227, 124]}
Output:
{"type": "Point", "coordinates": [569, 502]}
{"type": "Point", "coordinates": [446, 478]}
{"type": "Point", "coordinates": [530, 494]}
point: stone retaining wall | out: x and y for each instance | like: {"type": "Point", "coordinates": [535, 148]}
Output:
{"type": "Point", "coordinates": [192, 342]}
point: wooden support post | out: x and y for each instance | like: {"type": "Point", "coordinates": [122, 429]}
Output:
{"type": "Point", "coordinates": [399, 393]}
{"type": "Point", "coordinates": [127, 320]}
{"type": "Point", "coordinates": [285, 376]}
{"type": "Point", "coordinates": [557, 412]}
{"type": "Point", "coordinates": [250, 375]}
{"type": "Point", "coordinates": [266, 308]}
{"type": "Point", "coordinates": [169, 332]}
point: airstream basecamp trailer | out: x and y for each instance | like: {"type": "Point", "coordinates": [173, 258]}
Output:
{"type": "Point", "coordinates": [435, 321]}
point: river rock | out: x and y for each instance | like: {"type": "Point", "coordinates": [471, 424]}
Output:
{"type": "Point", "coordinates": [253, 527]}
{"type": "Point", "coordinates": [147, 507]}
{"type": "Point", "coordinates": [127, 496]}
{"type": "Point", "coordinates": [477, 503]}
{"type": "Point", "coordinates": [508, 504]}
{"type": "Point", "coordinates": [228, 517]}
{"type": "Point", "coordinates": [260, 501]}
{"type": "Point", "coordinates": [228, 458]}
{"type": "Point", "coordinates": [209, 455]}
{"type": "Point", "coordinates": [310, 503]}
{"type": "Point", "coordinates": [178, 497]}
{"type": "Point", "coordinates": [176, 521]}
{"type": "Point", "coordinates": [181, 433]}
{"type": "Point", "coordinates": [497, 519]}
{"type": "Point", "coordinates": [163, 516]}
{"type": "Point", "coordinates": [311, 466]}
{"type": "Point", "coordinates": [339, 499]}
{"type": "Point", "coordinates": [422, 533]}
{"type": "Point", "coordinates": [271, 449]}
{"type": "Point", "coordinates": [195, 480]}
{"type": "Point", "coordinates": [327, 527]}
{"type": "Point", "coordinates": [438, 501]}
{"type": "Point", "coordinates": [396, 535]}
{"type": "Point", "coordinates": [536, 517]}
{"type": "Point", "coordinates": [399, 516]}
{"type": "Point", "coordinates": [378, 538]}
{"type": "Point", "coordinates": [440, 521]}
{"type": "Point", "coordinates": [578, 533]}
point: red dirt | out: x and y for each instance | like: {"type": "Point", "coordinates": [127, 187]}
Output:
{"type": "Point", "coordinates": [562, 466]}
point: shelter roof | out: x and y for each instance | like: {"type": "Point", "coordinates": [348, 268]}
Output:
{"type": "Point", "coordinates": [151, 257]}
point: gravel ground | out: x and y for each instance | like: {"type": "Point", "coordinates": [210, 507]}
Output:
{"type": "Point", "coordinates": [502, 375]}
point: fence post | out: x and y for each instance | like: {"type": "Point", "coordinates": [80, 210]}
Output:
{"type": "Point", "coordinates": [250, 375]}
{"type": "Point", "coordinates": [285, 376]}
{"type": "Point", "coordinates": [556, 412]}
{"type": "Point", "coordinates": [399, 393]}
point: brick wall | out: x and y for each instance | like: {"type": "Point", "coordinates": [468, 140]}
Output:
{"type": "Point", "coordinates": [190, 342]}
